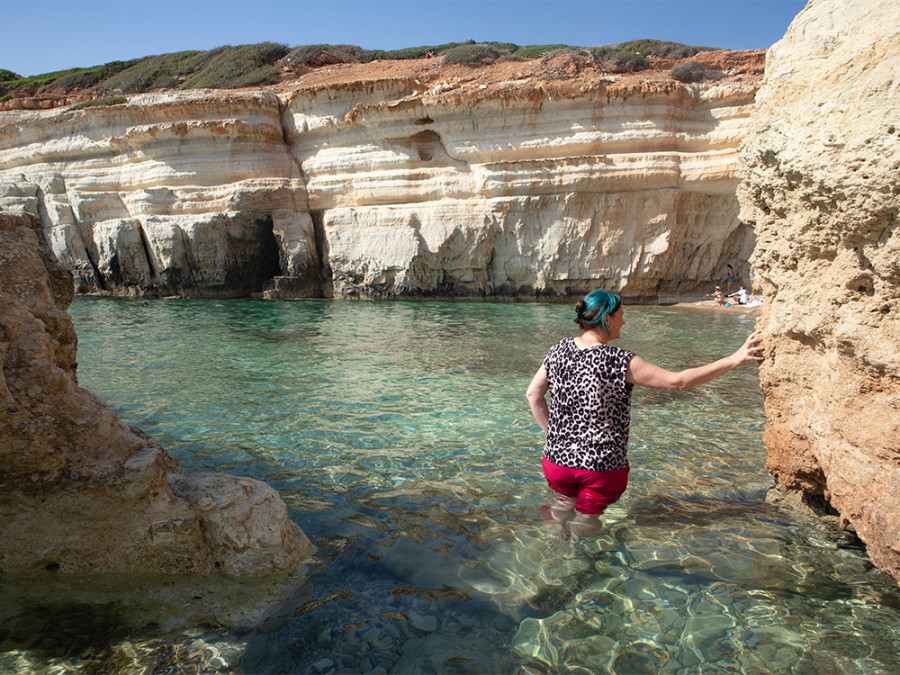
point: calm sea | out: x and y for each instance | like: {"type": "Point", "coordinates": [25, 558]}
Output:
{"type": "Point", "coordinates": [399, 436]}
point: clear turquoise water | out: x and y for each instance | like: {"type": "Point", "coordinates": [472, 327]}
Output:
{"type": "Point", "coordinates": [398, 435]}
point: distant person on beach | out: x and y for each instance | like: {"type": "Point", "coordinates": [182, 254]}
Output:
{"type": "Point", "coordinates": [586, 424]}
{"type": "Point", "coordinates": [752, 276]}
{"type": "Point", "coordinates": [742, 296]}
{"type": "Point", "coordinates": [718, 295]}
{"type": "Point", "coordinates": [729, 278]}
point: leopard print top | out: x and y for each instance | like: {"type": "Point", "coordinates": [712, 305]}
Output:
{"type": "Point", "coordinates": [590, 410]}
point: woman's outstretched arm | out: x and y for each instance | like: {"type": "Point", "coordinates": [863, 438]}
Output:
{"type": "Point", "coordinates": [647, 375]}
{"type": "Point", "coordinates": [537, 398]}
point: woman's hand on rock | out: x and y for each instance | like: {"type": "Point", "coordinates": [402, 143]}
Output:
{"type": "Point", "coordinates": [751, 350]}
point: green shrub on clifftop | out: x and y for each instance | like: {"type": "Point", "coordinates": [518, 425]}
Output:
{"type": "Point", "coordinates": [242, 66]}
{"type": "Point", "coordinates": [692, 71]}
{"type": "Point", "coordinates": [406, 54]}
{"type": "Point", "coordinates": [688, 71]}
{"type": "Point", "coordinates": [439, 50]}
{"type": "Point", "coordinates": [8, 75]}
{"type": "Point", "coordinates": [67, 80]}
{"type": "Point", "coordinates": [85, 78]}
{"type": "Point", "coordinates": [473, 55]}
{"type": "Point", "coordinates": [37, 81]}
{"type": "Point", "coordinates": [668, 50]}
{"type": "Point", "coordinates": [159, 72]}
{"type": "Point", "coordinates": [312, 55]}
{"type": "Point", "coordinates": [628, 61]}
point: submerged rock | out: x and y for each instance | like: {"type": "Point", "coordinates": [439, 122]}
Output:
{"type": "Point", "coordinates": [819, 185]}
{"type": "Point", "coordinates": [79, 490]}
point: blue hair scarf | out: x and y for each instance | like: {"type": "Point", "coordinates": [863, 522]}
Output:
{"type": "Point", "coordinates": [593, 308]}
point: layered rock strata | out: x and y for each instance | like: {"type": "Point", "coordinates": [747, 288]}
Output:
{"type": "Point", "coordinates": [400, 178]}
{"type": "Point", "coordinates": [167, 195]}
{"type": "Point", "coordinates": [819, 185]}
{"type": "Point", "coordinates": [79, 490]}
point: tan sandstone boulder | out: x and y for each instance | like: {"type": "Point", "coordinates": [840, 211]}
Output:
{"type": "Point", "coordinates": [81, 491]}
{"type": "Point", "coordinates": [820, 170]}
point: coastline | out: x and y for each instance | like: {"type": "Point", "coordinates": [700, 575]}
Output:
{"type": "Point", "coordinates": [711, 304]}
{"type": "Point", "coordinates": [679, 301]}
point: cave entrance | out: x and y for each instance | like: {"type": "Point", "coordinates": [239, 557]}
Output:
{"type": "Point", "coordinates": [255, 258]}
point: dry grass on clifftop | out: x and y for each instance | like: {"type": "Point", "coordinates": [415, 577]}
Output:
{"type": "Point", "coordinates": [566, 73]}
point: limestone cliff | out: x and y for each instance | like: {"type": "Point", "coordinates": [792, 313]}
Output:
{"type": "Point", "coordinates": [820, 187]}
{"type": "Point", "coordinates": [81, 491]}
{"type": "Point", "coordinates": [542, 177]}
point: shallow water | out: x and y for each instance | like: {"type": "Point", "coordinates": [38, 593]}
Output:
{"type": "Point", "coordinates": [398, 435]}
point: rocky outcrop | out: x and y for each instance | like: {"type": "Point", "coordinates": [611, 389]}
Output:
{"type": "Point", "coordinates": [166, 195]}
{"type": "Point", "coordinates": [819, 185]}
{"type": "Point", "coordinates": [81, 491]}
{"type": "Point", "coordinates": [541, 177]}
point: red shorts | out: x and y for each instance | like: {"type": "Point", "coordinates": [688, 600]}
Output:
{"type": "Point", "coordinates": [592, 491]}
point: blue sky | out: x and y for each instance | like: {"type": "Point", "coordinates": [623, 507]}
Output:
{"type": "Point", "coordinates": [40, 36]}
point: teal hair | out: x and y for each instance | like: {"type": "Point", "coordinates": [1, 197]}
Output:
{"type": "Point", "coordinates": [593, 308]}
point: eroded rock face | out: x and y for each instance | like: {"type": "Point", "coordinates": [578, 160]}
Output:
{"type": "Point", "coordinates": [448, 190]}
{"type": "Point", "coordinates": [820, 186]}
{"type": "Point", "coordinates": [392, 179]}
{"type": "Point", "coordinates": [168, 195]}
{"type": "Point", "coordinates": [79, 490]}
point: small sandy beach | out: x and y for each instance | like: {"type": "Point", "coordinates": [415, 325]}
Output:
{"type": "Point", "coordinates": [709, 303]}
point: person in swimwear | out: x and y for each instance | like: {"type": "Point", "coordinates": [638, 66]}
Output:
{"type": "Point", "coordinates": [586, 425]}
{"type": "Point", "coordinates": [718, 295]}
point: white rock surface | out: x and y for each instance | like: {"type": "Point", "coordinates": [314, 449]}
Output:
{"type": "Point", "coordinates": [168, 194]}
{"type": "Point", "coordinates": [384, 187]}
{"type": "Point", "coordinates": [446, 195]}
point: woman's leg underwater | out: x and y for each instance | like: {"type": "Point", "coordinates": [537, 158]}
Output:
{"type": "Point", "coordinates": [585, 524]}
{"type": "Point", "coordinates": [598, 490]}
{"type": "Point", "coordinates": [562, 481]}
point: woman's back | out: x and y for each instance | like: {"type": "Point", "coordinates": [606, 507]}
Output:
{"type": "Point", "coordinates": [591, 406]}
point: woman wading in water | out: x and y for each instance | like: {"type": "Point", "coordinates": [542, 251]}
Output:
{"type": "Point", "coordinates": [590, 383]}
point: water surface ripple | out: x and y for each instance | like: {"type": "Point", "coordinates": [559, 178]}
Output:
{"type": "Point", "coordinates": [399, 436]}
